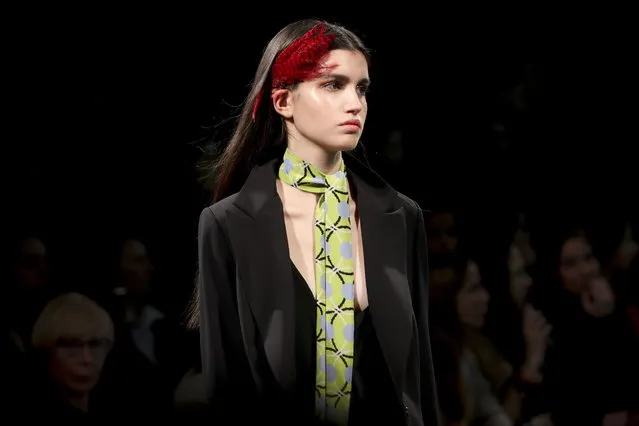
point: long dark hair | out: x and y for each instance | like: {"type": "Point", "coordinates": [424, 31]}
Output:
{"type": "Point", "coordinates": [192, 317]}
{"type": "Point", "coordinates": [254, 142]}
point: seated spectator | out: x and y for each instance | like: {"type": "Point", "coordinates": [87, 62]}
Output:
{"type": "Point", "coordinates": [71, 338]}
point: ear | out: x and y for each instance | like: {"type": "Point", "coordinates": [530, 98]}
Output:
{"type": "Point", "coordinates": [283, 102]}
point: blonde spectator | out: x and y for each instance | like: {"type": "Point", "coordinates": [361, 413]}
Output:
{"type": "Point", "coordinates": [73, 336]}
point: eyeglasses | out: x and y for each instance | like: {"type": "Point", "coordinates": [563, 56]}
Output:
{"type": "Point", "coordinates": [75, 348]}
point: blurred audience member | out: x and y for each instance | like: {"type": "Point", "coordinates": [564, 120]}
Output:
{"type": "Point", "coordinates": [459, 302]}
{"type": "Point", "coordinates": [145, 366]}
{"type": "Point", "coordinates": [591, 372]}
{"type": "Point", "coordinates": [442, 228]}
{"type": "Point", "coordinates": [513, 350]}
{"type": "Point", "coordinates": [72, 338]}
{"type": "Point", "coordinates": [28, 285]}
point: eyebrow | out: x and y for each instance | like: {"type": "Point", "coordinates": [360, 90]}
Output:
{"type": "Point", "coordinates": [342, 77]}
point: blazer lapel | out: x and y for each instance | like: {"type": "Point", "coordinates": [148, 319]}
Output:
{"type": "Point", "coordinates": [384, 239]}
{"type": "Point", "coordinates": [263, 261]}
{"type": "Point", "coordinates": [258, 236]}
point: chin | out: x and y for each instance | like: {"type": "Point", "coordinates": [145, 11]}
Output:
{"type": "Point", "coordinates": [81, 387]}
{"type": "Point", "coordinates": [345, 143]}
{"type": "Point", "coordinates": [477, 322]}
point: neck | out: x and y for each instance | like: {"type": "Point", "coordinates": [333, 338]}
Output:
{"type": "Point", "coordinates": [79, 401]}
{"type": "Point", "coordinates": [325, 161]}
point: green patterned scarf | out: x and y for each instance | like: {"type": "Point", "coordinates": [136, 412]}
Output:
{"type": "Point", "coordinates": [334, 284]}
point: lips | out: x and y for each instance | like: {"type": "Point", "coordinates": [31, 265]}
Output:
{"type": "Point", "coordinates": [356, 123]}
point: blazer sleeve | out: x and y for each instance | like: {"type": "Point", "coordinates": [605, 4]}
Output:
{"type": "Point", "coordinates": [225, 369]}
{"type": "Point", "coordinates": [429, 399]}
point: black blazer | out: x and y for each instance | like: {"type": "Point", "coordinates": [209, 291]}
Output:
{"type": "Point", "coordinates": [246, 296]}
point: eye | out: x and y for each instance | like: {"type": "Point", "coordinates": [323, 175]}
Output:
{"type": "Point", "coordinates": [333, 85]}
{"type": "Point", "coordinates": [362, 89]}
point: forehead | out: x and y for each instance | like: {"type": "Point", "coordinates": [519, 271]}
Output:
{"type": "Point", "coordinates": [350, 63]}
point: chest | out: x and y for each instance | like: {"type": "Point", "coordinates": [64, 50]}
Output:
{"type": "Point", "coordinates": [299, 219]}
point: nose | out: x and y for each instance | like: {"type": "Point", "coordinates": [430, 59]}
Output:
{"type": "Point", "coordinates": [528, 281]}
{"type": "Point", "coordinates": [486, 296]}
{"type": "Point", "coordinates": [354, 102]}
{"type": "Point", "coordinates": [87, 355]}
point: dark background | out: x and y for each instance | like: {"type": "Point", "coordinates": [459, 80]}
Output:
{"type": "Point", "coordinates": [109, 109]}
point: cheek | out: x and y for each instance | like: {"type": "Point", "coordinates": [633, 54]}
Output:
{"type": "Point", "coordinates": [312, 102]}
{"type": "Point", "coordinates": [481, 299]}
{"type": "Point", "coordinates": [520, 285]}
{"type": "Point", "coordinates": [464, 303]}
{"type": "Point", "coordinates": [310, 113]}
{"type": "Point", "coordinates": [59, 369]}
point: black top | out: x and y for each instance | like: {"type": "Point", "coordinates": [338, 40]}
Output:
{"type": "Point", "coordinates": [373, 399]}
{"type": "Point", "coordinates": [590, 365]}
{"type": "Point", "coordinates": [249, 314]}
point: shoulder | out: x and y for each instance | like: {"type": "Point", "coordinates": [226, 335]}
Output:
{"type": "Point", "coordinates": [213, 231]}
{"type": "Point", "coordinates": [214, 217]}
{"type": "Point", "coordinates": [410, 206]}
{"type": "Point", "coordinates": [413, 216]}
{"type": "Point", "coordinates": [218, 210]}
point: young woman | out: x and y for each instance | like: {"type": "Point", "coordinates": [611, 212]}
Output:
{"type": "Point", "coordinates": [312, 270]}
{"type": "Point", "coordinates": [590, 365]}
{"type": "Point", "coordinates": [459, 305]}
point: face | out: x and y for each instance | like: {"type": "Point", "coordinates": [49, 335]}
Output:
{"type": "Point", "coordinates": [32, 269]}
{"type": "Point", "coordinates": [76, 363]}
{"type": "Point", "coordinates": [472, 299]}
{"type": "Point", "coordinates": [442, 235]}
{"type": "Point", "coordinates": [577, 265]}
{"type": "Point", "coordinates": [136, 267]}
{"type": "Point", "coordinates": [328, 113]}
{"type": "Point", "coordinates": [520, 281]}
